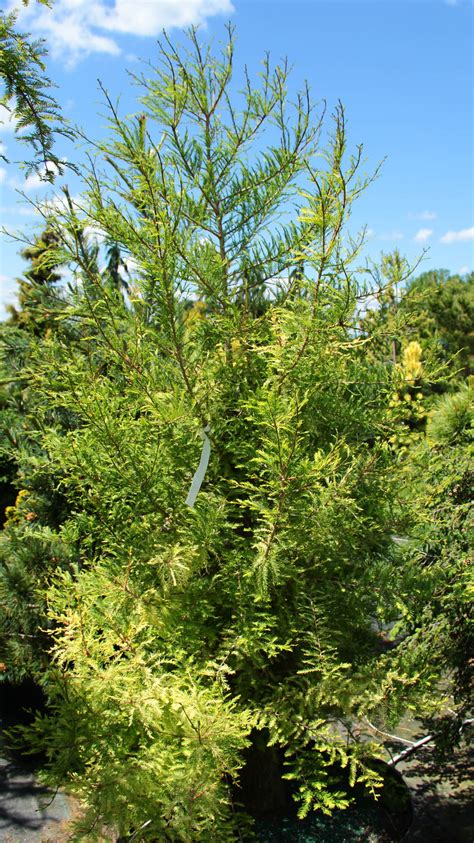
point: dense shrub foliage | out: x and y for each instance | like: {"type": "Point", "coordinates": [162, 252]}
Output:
{"type": "Point", "coordinates": [284, 604]}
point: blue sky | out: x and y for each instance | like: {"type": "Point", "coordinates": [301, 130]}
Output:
{"type": "Point", "coordinates": [402, 68]}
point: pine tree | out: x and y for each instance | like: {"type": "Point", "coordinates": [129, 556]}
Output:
{"type": "Point", "coordinates": [38, 299]}
{"type": "Point", "coordinates": [434, 309]}
{"type": "Point", "coordinates": [441, 307]}
{"type": "Point", "coordinates": [29, 545]}
{"type": "Point", "coordinates": [439, 486]}
{"type": "Point", "coordinates": [116, 270]}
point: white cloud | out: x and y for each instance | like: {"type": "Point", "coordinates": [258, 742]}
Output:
{"type": "Point", "coordinates": [423, 235]}
{"type": "Point", "coordinates": [77, 28]}
{"type": "Point", "coordinates": [423, 216]}
{"type": "Point", "coordinates": [36, 180]}
{"type": "Point", "coordinates": [69, 33]}
{"type": "Point", "coordinates": [3, 174]}
{"type": "Point", "coordinates": [17, 210]}
{"type": "Point", "coordinates": [391, 235]}
{"type": "Point", "coordinates": [145, 18]}
{"type": "Point", "coordinates": [8, 289]}
{"type": "Point", "coordinates": [58, 204]}
{"type": "Point", "coordinates": [95, 233]}
{"type": "Point", "coordinates": [7, 120]}
{"type": "Point", "coordinates": [461, 236]}
{"type": "Point", "coordinates": [5, 281]}
{"type": "Point", "coordinates": [464, 270]}
{"type": "Point", "coordinates": [131, 264]}
{"type": "Point", "coordinates": [33, 182]}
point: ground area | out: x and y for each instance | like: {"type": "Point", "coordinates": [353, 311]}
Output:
{"type": "Point", "coordinates": [442, 796]}
{"type": "Point", "coordinates": [28, 812]}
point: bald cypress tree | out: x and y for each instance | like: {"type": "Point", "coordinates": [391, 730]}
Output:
{"type": "Point", "coordinates": [231, 483]}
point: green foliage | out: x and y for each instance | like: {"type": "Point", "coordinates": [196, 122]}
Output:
{"type": "Point", "coordinates": [443, 308]}
{"type": "Point", "coordinates": [38, 298]}
{"type": "Point", "coordinates": [126, 735]}
{"type": "Point", "coordinates": [176, 633]}
{"type": "Point", "coordinates": [452, 420]}
{"type": "Point", "coordinates": [26, 96]}
{"type": "Point", "coordinates": [29, 545]}
{"type": "Point", "coordinates": [433, 309]}
{"type": "Point", "coordinates": [440, 484]}
{"type": "Point", "coordinates": [383, 320]}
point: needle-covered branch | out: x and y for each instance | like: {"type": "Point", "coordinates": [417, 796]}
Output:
{"type": "Point", "coordinates": [25, 96]}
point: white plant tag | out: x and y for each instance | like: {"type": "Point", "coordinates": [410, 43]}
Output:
{"type": "Point", "coordinates": [201, 469]}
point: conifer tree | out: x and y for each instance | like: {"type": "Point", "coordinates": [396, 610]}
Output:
{"type": "Point", "coordinates": [25, 96]}
{"type": "Point", "coordinates": [231, 483]}
{"type": "Point", "coordinates": [439, 491]}
{"type": "Point", "coordinates": [29, 546]}
{"type": "Point", "coordinates": [441, 309]}
{"type": "Point", "coordinates": [434, 309]}
{"type": "Point", "coordinates": [38, 299]}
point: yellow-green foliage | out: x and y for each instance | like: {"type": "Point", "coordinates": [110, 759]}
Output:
{"type": "Point", "coordinates": [180, 629]}
{"type": "Point", "coordinates": [412, 366]}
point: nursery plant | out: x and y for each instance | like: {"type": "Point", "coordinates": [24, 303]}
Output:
{"type": "Point", "coordinates": [33, 506]}
{"type": "Point", "coordinates": [230, 477]}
